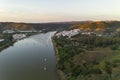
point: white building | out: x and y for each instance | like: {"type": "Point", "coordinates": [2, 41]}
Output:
{"type": "Point", "coordinates": [69, 33]}
{"type": "Point", "coordinates": [18, 36]}
{"type": "Point", "coordinates": [1, 40]}
{"type": "Point", "coordinates": [25, 31]}
{"type": "Point", "coordinates": [9, 31]}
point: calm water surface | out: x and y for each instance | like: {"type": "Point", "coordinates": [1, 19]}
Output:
{"type": "Point", "coordinates": [30, 59]}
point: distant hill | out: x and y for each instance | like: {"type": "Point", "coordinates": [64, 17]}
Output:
{"type": "Point", "coordinates": [85, 25]}
{"type": "Point", "coordinates": [98, 26]}
{"type": "Point", "coordinates": [16, 26]}
{"type": "Point", "coordinates": [37, 26]}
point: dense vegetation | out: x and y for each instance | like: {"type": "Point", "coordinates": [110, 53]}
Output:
{"type": "Point", "coordinates": [88, 57]}
{"type": "Point", "coordinates": [8, 41]}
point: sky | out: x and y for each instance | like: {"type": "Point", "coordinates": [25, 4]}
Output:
{"type": "Point", "coordinates": [39, 11]}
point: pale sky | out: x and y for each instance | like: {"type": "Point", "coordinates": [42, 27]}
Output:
{"type": "Point", "coordinates": [39, 11]}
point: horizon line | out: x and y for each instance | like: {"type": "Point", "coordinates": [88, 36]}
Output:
{"type": "Point", "coordinates": [59, 21]}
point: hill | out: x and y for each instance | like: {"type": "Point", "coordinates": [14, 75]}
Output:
{"type": "Point", "coordinates": [85, 25]}
{"type": "Point", "coordinates": [98, 26]}
{"type": "Point", "coordinates": [37, 26]}
{"type": "Point", "coordinates": [16, 26]}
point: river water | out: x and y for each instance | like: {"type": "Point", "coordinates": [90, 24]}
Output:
{"type": "Point", "coordinates": [30, 59]}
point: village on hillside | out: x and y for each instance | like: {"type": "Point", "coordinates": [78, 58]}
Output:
{"type": "Point", "coordinates": [73, 32]}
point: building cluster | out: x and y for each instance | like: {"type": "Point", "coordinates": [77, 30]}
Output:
{"type": "Point", "coordinates": [69, 33]}
{"type": "Point", "coordinates": [1, 40]}
{"type": "Point", "coordinates": [18, 36]}
{"type": "Point", "coordinates": [22, 31]}
{"type": "Point", "coordinates": [73, 32]}
{"type": "Point", "coordinates": [8, 31]}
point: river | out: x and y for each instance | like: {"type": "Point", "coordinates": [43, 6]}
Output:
{"type": "Point", "coordinates": [32, 58]}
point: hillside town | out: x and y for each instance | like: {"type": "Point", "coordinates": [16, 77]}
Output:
{"type": "Point", "coordinates": [68, 33]}
{"type": "Point", "coordinates": [73, 32]}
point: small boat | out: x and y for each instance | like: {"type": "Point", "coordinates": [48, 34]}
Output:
{"type": "Point", "coordinates": [45, 68]}
{"type": "Point", "coordinates": [45, 59]}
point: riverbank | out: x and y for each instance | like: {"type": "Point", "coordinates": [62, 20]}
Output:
{"type": "Point", "coordinates": [56, 50]}
{"type": "Point", "coordinates": [9, 40]}
{"type": "Point", "coordinates": [6, 45]}
{"type": "Point", "coordinates": [60, 74]}
{"type": "Point", "coordinates": [80, 59]}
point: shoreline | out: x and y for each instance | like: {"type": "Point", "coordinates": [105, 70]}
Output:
{"type": "Point", "coordinates": [56, 50]}
{"type": "Point", "coordinates": [60, 74]}
{"type": "Point", "coordinates": [5, 46]}
{"type": "Point", "coordinates": [11, 43]}
{"type": "Point", "coordinates": [56, 55]}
